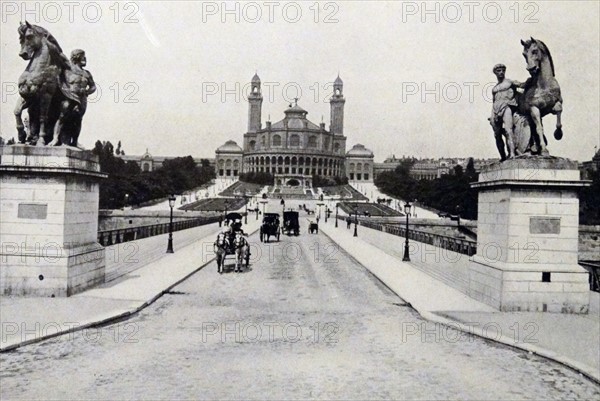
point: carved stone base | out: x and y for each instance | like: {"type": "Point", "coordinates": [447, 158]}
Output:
{"type": "Point", "coordinates": [49, 212]}
{"type": "Point", "coordinates": [527, 237]}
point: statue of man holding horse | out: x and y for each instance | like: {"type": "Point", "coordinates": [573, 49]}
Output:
{"type": "Point", "coordinates": [53, 89]}
{"type": "Point", "coordinates": [518, 116]}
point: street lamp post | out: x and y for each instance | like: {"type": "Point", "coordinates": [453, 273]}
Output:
{"type": "Point", "coordinates": [336, 214]}
{"type": "Point", "coordinates": [406, 257]}
{"type": "Point", "coordinates": [170, 243]}
{"type": "Point", "coordinates": [247, 198]}
{"type": "Point", "coordinates": [264, 202]}
{"type": "Point", "coordinates": [356, 222]}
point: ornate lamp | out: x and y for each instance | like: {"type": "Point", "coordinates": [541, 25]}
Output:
{"type": "Point", "coordinates": [406, 257]}
{"type": "Point", "coordinates": [172, 200]}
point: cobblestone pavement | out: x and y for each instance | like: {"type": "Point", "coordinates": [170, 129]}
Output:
{"type": "Point", "coordinates": [305, 322]}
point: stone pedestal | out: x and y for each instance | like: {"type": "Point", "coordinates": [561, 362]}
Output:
{"type": "Point", "coordinates": [49, 198]}
{"type": "Point", "coordinates": [527, 237]}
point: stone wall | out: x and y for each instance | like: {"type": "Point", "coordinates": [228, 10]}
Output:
{"type": "Point", "coordinates": [589, 243]}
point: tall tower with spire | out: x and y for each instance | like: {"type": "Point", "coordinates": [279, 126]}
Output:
{"type": "Point", "coordinates": [255, 105]}
{"type": "Point", "coordinates": [336, 125]}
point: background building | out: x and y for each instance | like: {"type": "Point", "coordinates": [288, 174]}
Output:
{"type": "Point", "coordinates": [359, 164]}
{"type": "Point", "coordinates": [292, 149]}
{"type": "Point", "coordinates": [147, 162]}
{"type": "Point", "coordinates": [228, 160]}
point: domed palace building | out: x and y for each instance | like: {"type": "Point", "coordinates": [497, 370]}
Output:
{"type": "Point", "coordinates": [228, 160]}
{"type": "Point", "coordinates": [294, 148]}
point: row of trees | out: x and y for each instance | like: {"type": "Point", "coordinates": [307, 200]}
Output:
{"type": "Point", "coordinates": [128, 185]}
{"type": "Point", "coordinates": [321, 181]}
{"type": "Point", "coordinates": [451, 193]}
{"type": "Point", "coordinates": [260, 178]}
{"type": "Point", "coordinates": [589, 201]}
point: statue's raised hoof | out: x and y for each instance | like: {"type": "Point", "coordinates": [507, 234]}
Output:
{"type": "Point", "coordinates": [558, 134]}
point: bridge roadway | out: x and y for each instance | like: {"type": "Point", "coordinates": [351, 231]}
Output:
{"type": "Point", "coordinates": [304, 322]}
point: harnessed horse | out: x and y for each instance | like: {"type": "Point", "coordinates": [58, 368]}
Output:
{"type": "Point", "coordinates": [238, 246]}
{"type": "Point", "coordinates": [221, 246]}
{"type": "Point", "coordinates": [242, 251]}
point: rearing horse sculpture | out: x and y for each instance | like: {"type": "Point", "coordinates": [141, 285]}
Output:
{"type": "Point", "coordinates": [541, 97]}
{"type": "Point", "coordinates": [39, 84]}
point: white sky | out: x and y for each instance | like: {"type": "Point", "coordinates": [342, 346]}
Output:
{"type": "Point", "coordinates": [173, 53]}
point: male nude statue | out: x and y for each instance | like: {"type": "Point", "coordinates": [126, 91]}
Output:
{"type": "Point", "coordinates": [502, 111]}
{"type": "Point", "coordinates": [78, 86]}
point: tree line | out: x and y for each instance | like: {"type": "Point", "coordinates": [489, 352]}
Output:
{"type": "Point", "coordinates": [451, 193]}
{"type": "Point", "coordinates": [127, 184]}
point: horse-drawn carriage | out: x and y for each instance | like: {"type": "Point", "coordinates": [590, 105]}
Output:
{"type": "Point", "coordinates": [269, 227]}
{"type": "Point", "coordinates": [290, 223]}
{"type": "Point", "coordinates": [313, 228]}
{"type": "Point", "coordinates": [232, 241]}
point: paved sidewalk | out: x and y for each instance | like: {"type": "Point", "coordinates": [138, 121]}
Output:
{"type": "Point", "coordinates": [26, 320]}
{"type": "Point", "coordinates": [573, 340]}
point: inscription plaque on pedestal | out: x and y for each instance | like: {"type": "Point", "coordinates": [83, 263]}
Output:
{"type": "Point", "coordinates": [544, 225]}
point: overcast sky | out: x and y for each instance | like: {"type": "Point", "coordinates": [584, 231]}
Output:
{"type": "Point", "coordinates": [417, 81]}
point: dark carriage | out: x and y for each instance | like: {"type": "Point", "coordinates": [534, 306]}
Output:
{"type": "Point", "coordinates": [291, 224]}
{"type": "Point", "coordinates": [313, 228]}
{"type": "Point", "coordinates": [231, 218]}
{"type": "Point", "coordinates": [269, 227]}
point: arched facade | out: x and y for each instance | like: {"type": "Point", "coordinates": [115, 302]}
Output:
{"type": "Point", "coordinates": [359, 164]}
{"type": "Point", "coordinates": [147, 162]}
{"type": "Point", "coordinates": [228, 161]}
{"type": "Point", "coordinates": [293, 149]}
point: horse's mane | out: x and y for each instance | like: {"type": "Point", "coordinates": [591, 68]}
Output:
{"type": "Point", "coordinates": [549, 55]}
{"type": "Point", "coordinates": [544, 49]}
{"type": "Point", "coordinates": [56, 52]}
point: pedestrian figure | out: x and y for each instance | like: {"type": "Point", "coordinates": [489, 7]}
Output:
{"type": "Point", "coordinates": [348, 222]}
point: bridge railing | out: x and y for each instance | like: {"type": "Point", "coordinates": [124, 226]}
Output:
{"type": "Point", "coordinates": [120, 235]}
{"type": "Point", "coordinates": [459, 245]}
{"type": "Point", "coordinates": [463, 246]}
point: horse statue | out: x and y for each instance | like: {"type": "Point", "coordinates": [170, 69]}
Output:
{"type": "Point", "coordinates": [541, 97]}
{"type": "Point", "coordinates": [39, 84]}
